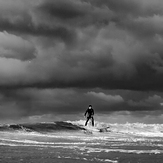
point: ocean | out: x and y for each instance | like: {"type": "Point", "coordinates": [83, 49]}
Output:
{"type": "Point", "coordinates": [71, 141]}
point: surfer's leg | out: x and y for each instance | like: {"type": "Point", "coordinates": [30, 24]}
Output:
{"type": "Point", "coordinates": [92, 121]}
{"type": "Point", "coordinates": [86, 121]}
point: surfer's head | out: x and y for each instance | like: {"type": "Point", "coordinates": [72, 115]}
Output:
{"type": "Point", "coordinates": [90, 106]}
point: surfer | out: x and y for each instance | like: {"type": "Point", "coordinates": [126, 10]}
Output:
{"type": "Point", "coordinates": [90, 113]}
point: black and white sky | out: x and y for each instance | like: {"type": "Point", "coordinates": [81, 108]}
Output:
{"type": "Point", "coordinates": [59, 56]}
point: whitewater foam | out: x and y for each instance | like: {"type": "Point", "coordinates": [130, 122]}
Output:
{"type": "Point", "coordinates": [85, 149]}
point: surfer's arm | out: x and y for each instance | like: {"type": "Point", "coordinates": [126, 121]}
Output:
{"type": "Point", "coordinates": [86, 112]}
{"type": "Point", "coordinates": [92, 112]}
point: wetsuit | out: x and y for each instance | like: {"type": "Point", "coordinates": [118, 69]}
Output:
{"type": "Point", "coordinates": [89, 113]}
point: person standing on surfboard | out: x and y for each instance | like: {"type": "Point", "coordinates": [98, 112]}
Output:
{"type": "Point", "coordinates": [90, 113]}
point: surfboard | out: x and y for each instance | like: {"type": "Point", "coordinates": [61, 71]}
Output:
{"type": "Point", "coordinates": [91, 129]}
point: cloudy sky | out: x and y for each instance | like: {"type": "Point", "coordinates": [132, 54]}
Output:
{"type": "Point", "coordinates": [59, 56]}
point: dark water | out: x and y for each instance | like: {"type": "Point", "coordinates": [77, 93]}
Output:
{"type": "Point", "coordinates": [69, 142]}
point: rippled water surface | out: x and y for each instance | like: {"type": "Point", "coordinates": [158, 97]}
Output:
{"type": "Point", "coordinates": [119, 143]}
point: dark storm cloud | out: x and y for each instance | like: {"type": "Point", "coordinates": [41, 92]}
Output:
{"type": "Point", "coordinates": [117, 102]}
{"type": "Point", "coordinates": [12, 46]}
{"type": "Point", "coordinates": [86, 44]}
{"type": "Point", "coordinates": [36, 102]}
{"type": "Point", "coordinates": [29, 102]}
{"type": "Point", "coordinates": [74, 13]}
{"type": "Point", "coordinates": [110, 57]}
{"type": "Point", "coordinates": [107, 44]}
{"type": "Point", "coordinates": [113, 45]}
{"type": "Point", "coordinates": [28, 28]}
{"type": "Point", "coordinates": [124, 6]}
{"type": "Point", "coordinates": [19, 20]}
{"type": "Point", "coordinates": [62, 9]}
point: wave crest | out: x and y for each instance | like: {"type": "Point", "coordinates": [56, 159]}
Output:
{"type": "Point", "coordinates": [42, 127]}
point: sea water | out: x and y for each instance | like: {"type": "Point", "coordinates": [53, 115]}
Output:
{"type": "Point", "coordinates": [71, 141]}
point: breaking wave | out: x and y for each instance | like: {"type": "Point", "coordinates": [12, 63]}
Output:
{"type": "Point", "coordinates": [138, 129]}
{"type": "Point", "coordinates": [42, 127]}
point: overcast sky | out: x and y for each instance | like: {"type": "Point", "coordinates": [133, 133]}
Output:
{"type": "Point", "coordinates": [59, 56]}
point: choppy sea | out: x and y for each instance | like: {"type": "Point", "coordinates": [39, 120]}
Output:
{"type": "Point", "coordinates": [71, 141]}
